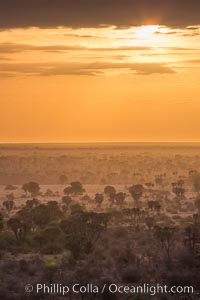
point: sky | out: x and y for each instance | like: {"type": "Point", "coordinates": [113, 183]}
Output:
{"type": "Point", "coordinates": [99, 71]}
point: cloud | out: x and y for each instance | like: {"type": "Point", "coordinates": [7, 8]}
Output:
{"type": "Point", "coordinates": [75, 68]}
{"type": "Point", "coordinates": [15, 48]}
{"type": "Point", "coordinates": [93, 13]}
{"type": "Point", "coordinates": [4, 58]}
{"type": "Point", "coordinates": [187, 32]}
{"type": "Point", "coordinates": [192, 61]}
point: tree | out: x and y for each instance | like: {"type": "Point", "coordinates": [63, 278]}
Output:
{"type": "Point", "coordinates": [82, 231]}
{"type": "Point", "coordinates": [75, 208]}
{"type": "Point", "coordinates": [31, 187]}
{"type": "Point", "coordinates": [1, 221]}
{"type": "Point", "coordinates": [112, 198]}
{"type": "Point", "coordinates": [178, 190]}
{"type": "Point", "coordinates": [192, 235]}
{"type": "Point", "coordinates": [133, 216]}
{"type": "Point", "coordinates": [109, 190]}
{"type": "Point", "coordinates": [159, 179]}
{"type": "Point", "coordinates": [197, 203]}
{"type": "Point", "coordinates": [196, 181]}
{"type": "Point", "coordinates": [99, 199]}
{"type": "Point", "coordinates": [49, 193]}
{"type": "Point", "coordinates": [120, 197]}
{"type": "Point", "coordinates": [68, 190]}
{"type": "Point", "coordinates": [165, 236]}
{"type": "Point", "coordinates": [32, 203]}
{"type": "Point", "coordinates": [63, 179]}
{"type": "Point", "coordinates": [10, 197]}
{"type": "Point", "coordinates": [53, 205]}
{"type": "Point", "coordinates": [75, 188]}
{"type": "Point", "coordinates": [18, 228]}
{"type": "Point", "coordinates": [154, 205]}
{"type": "Point", "coordinates": [51, 240]}
{"type": "Point", "coordinates": [8, 204]}
{"type": "Point", "coordinates": [136, 192]}
{"type": "Point", "coordinates": [67, 200]}
{"type": "Point", "coordinates": [25, 188]}
{"type": "Point", "coordinates": [43, 215]}
{"type": "Point", "coordinates": [150, 222]}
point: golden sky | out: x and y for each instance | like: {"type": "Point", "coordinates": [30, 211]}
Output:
{"type": "Point", "coordinates": [105, 83]}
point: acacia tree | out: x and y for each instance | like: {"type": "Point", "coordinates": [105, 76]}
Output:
{"type": "Point", "coordinates": [196, 181]}
{"type": "Point", "coordinates": [15, 225]}
{"type": "Point", "coordinates": [75, 188]}
{"type": "Point", "coordinates": [110, 192]}
{"type": "Point", "coordinates": [178, 190]}
{"type": "Point", "coordinates": [154, 205]}
{"type": "Point", "coordinates": [43, 214]}
{"type": "Point", "coordinates": [67, 200]}
{"type": "Point", "coordinates": [120, 198]}
{"type": "Point", "coordinates": [165, 235]}
{"type": "Point", "coordinates": [32, 187]}
{"type": "Point", "coordinates": [136, 192]}
{"type": "Point", "coordinates": [18, 227]}
{"type": "Point", "coordinates": [1, 221]}
{"type": "Point", "coordinates": [150, 222]}
{"type": "Point", "coordinates": [10, 196]}
{"type": "Point", "coordinates": [133, 216]}
{"type": "Point", "coordinates": [159, 179]}
{"type": "Point", "coordinates": [63, 179]}
{"type": "Point", "coordinates": [99, 199]}
{"type": "Point", "coordinates": [82, 230]}
{"type": "Point", "coordinates": [197, 203]}
{"type": "Point", "coordinates": [51, 239]}
{"type": "Point", "coordinates": [32, 203]}
{"type": "Point", "coordinates": [8, 204]}
{"type": "Point", "coordinates": [192, 237]}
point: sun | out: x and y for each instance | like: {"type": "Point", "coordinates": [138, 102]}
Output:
{"type": "Point", "coordinates": [146, 32]}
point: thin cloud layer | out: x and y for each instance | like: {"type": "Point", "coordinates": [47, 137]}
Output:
{"type": "Point", "coordinates": [94, 13]}
{"type": "Point", "coordinates": [15, 48]}
{"type": "Point", "coordinates": [95, 68]}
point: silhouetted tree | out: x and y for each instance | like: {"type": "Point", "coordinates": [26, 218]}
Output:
{"type": "Point", "coordinates": [82, 231]}
{"type": "Point", "coordinates": [63, 179]}
{"type": "Point", "coordinates": [10, 197]}
{"type": "Point", "coordinates": [99, 199]}
{"type": "Point", "coordinates": [120, 198]}
{"type": "Point", "coordinates": [18, 227]}
{"type": "Point", "coordinates": [75, 188]}
{"type": "Point", "coordinates": [109, 190]}
{"type": "Point", "coordinates": [8, 204]}
{"type": "Point", "coordinates": [196, 181]}
{"type": "Point", "coordinates": [32, 203]}
{"type": "Point", "coordinates": [66, 200]}
{"type": "Point", "coordinates": [178, 190]}
{"type": "Point", "coordinates": [31, 187]}
{"type": "Point", "coordinates": [165, 236]}
{"type": "Point", "coordinates": [150, 222]}
{"type": "Point", "coordinates": [1, 222]}
{"type": "Point", "coordinates": [197, 203]}
{"type": "Point", "coordinates": [136, 192]}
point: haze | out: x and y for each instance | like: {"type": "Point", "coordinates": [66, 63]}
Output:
{"type": "Point", "coordinates": [87, 82]}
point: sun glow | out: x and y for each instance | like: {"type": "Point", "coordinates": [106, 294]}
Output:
{"type": "Point", "coordinates": [146, 32]}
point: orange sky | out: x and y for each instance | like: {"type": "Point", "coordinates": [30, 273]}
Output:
{"type": "Point", "coordinates": [100, 84]}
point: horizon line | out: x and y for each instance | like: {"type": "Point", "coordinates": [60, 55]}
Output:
{"type": "Point", "coordinates": [100, 142]}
